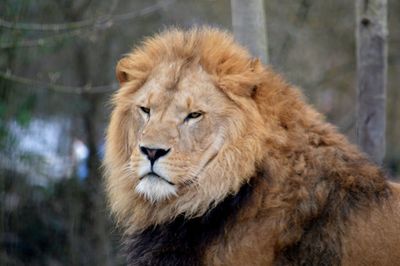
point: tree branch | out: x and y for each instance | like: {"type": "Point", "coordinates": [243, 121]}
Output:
{"type": "Point", "coordinates": [104, 19]}
{"type": "Point", "coordinates": [88, 89]}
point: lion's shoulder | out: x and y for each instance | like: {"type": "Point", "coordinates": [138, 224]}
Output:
{"type": "Point", "coordinates": [319, 212]}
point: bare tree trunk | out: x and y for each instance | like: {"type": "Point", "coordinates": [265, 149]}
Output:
{"type": "Point", "coordinates": [99, 234]}
{"type": "Point", "coordinates": [96, 202]}
{"type": "Point", "coordinates": [95, 206]}
{"type": "Point", "coordinates": [249, 26]}
{"type": "Point", "coordinates": [371, 18]}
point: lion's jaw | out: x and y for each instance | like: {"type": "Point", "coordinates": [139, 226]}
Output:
{"type": "Point", "coordinates": [209, 157]}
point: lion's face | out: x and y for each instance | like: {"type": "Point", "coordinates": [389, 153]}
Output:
{"type": "Point", "coordinates": [181, 125]}
{"type": "Point", "coordinates": [185, 131]}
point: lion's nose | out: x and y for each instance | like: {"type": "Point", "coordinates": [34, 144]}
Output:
{"type": "Point", "coordinates": [153, 153]}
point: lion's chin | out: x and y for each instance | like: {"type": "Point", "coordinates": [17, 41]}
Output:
{"type": "Point", "coordinates": [155, 189]}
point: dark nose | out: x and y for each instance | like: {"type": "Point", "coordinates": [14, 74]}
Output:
{"type": "Point", "coordinates": [153, 153]}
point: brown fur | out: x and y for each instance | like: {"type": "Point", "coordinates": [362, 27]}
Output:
{"type": "Point", "coordinates": [318, 200]}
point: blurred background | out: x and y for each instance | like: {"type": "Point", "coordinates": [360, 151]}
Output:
{"type": "Point", "coordinates": [57, 60]}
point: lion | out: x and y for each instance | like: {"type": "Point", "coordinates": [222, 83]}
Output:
{"type": "Point", "coordinates": [213, 159]}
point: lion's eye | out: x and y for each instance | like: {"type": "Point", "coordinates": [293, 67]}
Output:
{"type": "Point", "coordinates": [193, 115]}
{"type": "Point", "coordinates": [145, 110]}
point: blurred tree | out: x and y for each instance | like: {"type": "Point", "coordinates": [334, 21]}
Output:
{"type": "Point", "coordinates": [98, 234]}
{"type": "Point", "coordinates": [249, 26]}
{"type": "Point", "coordinates": [371, 76]}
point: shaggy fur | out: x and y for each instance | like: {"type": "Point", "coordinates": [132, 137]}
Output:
{"type": "Point", "coordinates": [258, 179]}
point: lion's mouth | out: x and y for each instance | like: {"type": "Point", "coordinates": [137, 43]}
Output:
{"type": "Point", "coordinates": [157, 176]}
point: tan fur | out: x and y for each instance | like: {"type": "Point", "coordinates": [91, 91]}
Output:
{"type": "Point", "coordinates": [373, 236]}
{"type": "Point", "coordinates": [254, 124]}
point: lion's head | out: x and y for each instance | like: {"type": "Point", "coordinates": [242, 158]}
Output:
{"type": "Point", "coordinates": [185, 131]}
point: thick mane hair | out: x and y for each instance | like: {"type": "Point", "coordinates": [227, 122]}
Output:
{"type": "Point", "coordinates": [307, 185]}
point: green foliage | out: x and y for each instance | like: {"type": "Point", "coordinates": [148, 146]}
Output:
{"type": "Point", "coordinates": [24, 112]}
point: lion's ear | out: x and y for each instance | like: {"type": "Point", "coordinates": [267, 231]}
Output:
{"type": "Point", "coordinates": [121, 70]}
{"type": "Point", "coordinates": [245, 83]}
